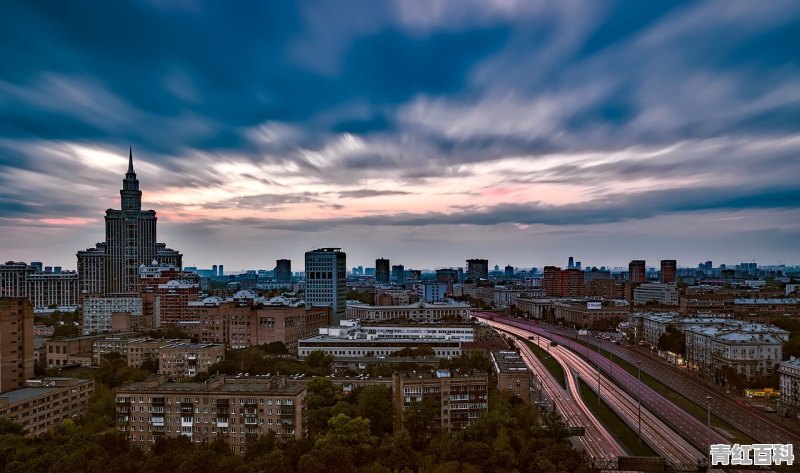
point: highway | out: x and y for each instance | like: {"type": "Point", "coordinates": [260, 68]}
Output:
{"type": "Point", "coordinates": [654, 432]}
{"type": "Point", "coordinates": [691, 429]}
{"type": "Point", "coordinates": [759, 425]}
{"type": "Point", "coordinates": [596, 442]}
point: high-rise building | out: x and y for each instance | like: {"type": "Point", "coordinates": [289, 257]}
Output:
{"type": "Point", "coordinates": [398, 274]}
{"type": "Point", "coordinates": [509, 271]}
{"type": "Point", "coordinates": [637, 271]}
{"type": "Point", "coordinates": [13, 278]}
{"type": "Point", "coordinates": [478, 268]}
{"type": "Point", "coordinates": [571, 263]}
{"type": "Point", "coordinates": [283, 270]}
{"type": "Point", "coordinates": [16, 342]}
{"type": "Point", "coordinates": [326, 280]}
{"type": "Point", "coordinates": [552, 281]}
{"type": "Point", "coordinates": [221, 270]}
{"type": "Point", "coordinates": [669, 270]}
{"type": "Point", "coordinates": [92, 271]}
{"type": "Point", "coordinates": [214, 270]}
{"type": "Point", "coordinates": [130, 242]}
{"type": "Point", "coordinates": [572, 284]}
{"type": "Point", "coordinates": [382, 270]}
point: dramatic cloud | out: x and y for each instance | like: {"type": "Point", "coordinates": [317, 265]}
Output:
{"type": "Point", "coordinates": [387, 127]}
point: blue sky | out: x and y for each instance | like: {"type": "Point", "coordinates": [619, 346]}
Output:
{"type": "Point", "coordinates": [424, 131]}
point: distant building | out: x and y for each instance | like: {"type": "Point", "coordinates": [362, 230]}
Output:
{"type": "Point", "coordinates": [572, 284]}
{"type": "Point", "coordinates": [233, 409]}
{"type": "Point", "coordinates": [382, 273]}
{"type": "Point", "coordinates": [552, 281]}
{"type": "Point", "coordinates": [435, 292]}
{"type": "Point", "coordinates": [98, 311]}
{"type": "Point", "coordinates": [283, 270]}
{"type": "Point", "coordinates": [478, 269]}
{"type": "Point", "coordinates": [661, 294]}
{"type": "Point", "coordinates": [246, 320]}
{"type": "Point", "coordinates": [181, 360]}
{"type": "Point", "coordinates": [13, 277]}
{"type": "Point", "coordinates": [326, 280]}
{"type": "Point", "coordinates": [130, 243]}
{"type": "Point", "coordinates": [669, 271]}
{"type": "Point", "coordinates": [461, 397]}
{"type": "Point", "coordinates": [586, 314]}
{"type": "Point", "coordinates": [53, 290]}
{"type": "Point", "coordinates": [509, 271]}
{"type": "Point", "coordinates": [398, 274]}
{"type": "Point", "coordinates": [16, 342]}
{"type": "Point", "coordinates": [419, 312]}
{"type": "Point", "coordinates": [45, 403]}
{"type": "Point", "coordinates": [637, 271]}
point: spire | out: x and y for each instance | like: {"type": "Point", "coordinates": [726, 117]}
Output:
{"type": "Point", "coordinates": [130, 161]}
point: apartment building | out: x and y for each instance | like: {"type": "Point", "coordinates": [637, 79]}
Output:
{"type": "Point", "coordinates": [234, 409]}
{"type": "Point", "coordinates": [661, 294]}
{"type": "Point", "coordinates": [460, 396]}
{"type": "Point", "coordinates": [512, 374]}
{"type": "Point", "coordinates": [789, 374]}
{"type": "Point", "coordinates": [16, 342]}
{"type": "Point", "coordinates": [44, 403]}
{"type": "Point", "coordinates": [182, 360]}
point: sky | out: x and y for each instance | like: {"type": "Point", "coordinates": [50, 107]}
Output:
{"type": "Point", "coordinates": [426, 132]}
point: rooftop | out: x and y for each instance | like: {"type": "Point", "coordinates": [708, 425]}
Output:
{"type": "Point", "coordinates": [267, 385]}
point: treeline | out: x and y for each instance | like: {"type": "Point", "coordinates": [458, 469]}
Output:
{"type": "Point", "coordinates": [346, 434]}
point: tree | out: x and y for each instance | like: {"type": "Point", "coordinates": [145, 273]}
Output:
{"type": "Point", "coordinates": [673, 340]}
{"type": "Point", "coordinates": [319, 359]}
{"type": "Point", "coordinates": [8, 426]}
{"type": "Point", "coordinates": [375, 404]}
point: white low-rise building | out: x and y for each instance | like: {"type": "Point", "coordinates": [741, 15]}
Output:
{"type": "Point", "coordinates": [97, 311]}
{"type": "Point", "coordinates": [420, 312]}
{"type": "Point", "coordinates": [662, 294]}
{"type": "Point", "coordinates": [789, 373]}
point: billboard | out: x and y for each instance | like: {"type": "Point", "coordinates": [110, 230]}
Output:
{"type": "Point", "coordinates": [594, 305]}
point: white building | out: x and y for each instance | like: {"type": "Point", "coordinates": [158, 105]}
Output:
{"type": "Point", "coordinates": [789, 372]}
{"type": "Point", "coordinates": [419, 312]}
{"type": "Point", "coordinates": [97, 311]}
{"type": "Point", "coordinates": [350, 339]}
{"type": "Point", "coordinates": [662, 294]}
{"type": "Point", "coordinates": [326, 273]}
{"type": "Point", "coordinates": [751, 349]}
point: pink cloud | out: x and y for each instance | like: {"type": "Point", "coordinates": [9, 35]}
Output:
{"type": "Point", "coordinates": [66, 221]}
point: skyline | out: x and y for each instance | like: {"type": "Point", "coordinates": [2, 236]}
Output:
{"type": "Point", "coordinates": [518, 132]}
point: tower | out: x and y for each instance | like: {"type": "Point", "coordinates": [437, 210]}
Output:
{"type": "Point", "coordinates": [112, 267]}
{"type": "Point", "coordinates": [326, 281]}
{"type": "Point", "coordinates": [382, 270]}
{"type": "Point", "coordinates": [637, 271]}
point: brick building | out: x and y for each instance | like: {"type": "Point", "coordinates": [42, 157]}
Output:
{"type": "Point", "coordinates": [236, 410]}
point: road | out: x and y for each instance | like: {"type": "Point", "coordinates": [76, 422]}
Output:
{"type": "Point", "coordinates": [691, 429]}
{"type": "Point", "coordinates": [654, 432]}
{"type": "Point", "coordinates": [597, 441]}
{"type": "Point", "coordinates": [758, 425]}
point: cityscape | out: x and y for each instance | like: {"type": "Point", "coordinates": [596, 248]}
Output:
{"type": "Point", "coordinates": [400, 237]}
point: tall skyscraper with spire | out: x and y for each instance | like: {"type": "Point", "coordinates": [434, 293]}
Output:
{"type": "Point", "coordinates": [130, 242]}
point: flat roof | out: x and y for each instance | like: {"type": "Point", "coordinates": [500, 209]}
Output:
{"type": "Point", "coordinates": [24, 394]}
{"type": "Point", "coordinates": [252, 385]}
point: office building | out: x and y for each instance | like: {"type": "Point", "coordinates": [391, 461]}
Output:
{"type": "Point", "coordinates": [382, 273]}
{"type": "Point", "coordinates": [326, 280]}
{"type": "Point", "coordinates": [460, 397]}
{"type": "Point", "coordinates": [45, 403]}
{"type": "Point", "coordinates": [656, 293]}
{"type": "Point", "coordinates": [130, 243]}
{"type": "Point", "coordinates": [434, 292]}
{"type": "Point", "coordinates": [13, 277]}
{"type": "Point", "coordinates": [399, 274]}
{"type": "Point", "coordinates": [477, 269]}
{"type": "Point", "coordinates": [283, 270]}
{"type": "Point", "coordinates": [669, 271]}
{"type": "Point", "coordinates": [16, 342]}
{"type": "Point", "coordinates": [235, 410]}
{"type": "Point", "coordinates": [508, 271]}
{"type": "Point", "coordinates": [637, 271]}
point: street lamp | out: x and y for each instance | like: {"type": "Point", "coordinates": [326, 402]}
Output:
{"type": "Point", "coordinates": [708, 434]}
{"type": "Point", "coordinates": [639, 396]}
